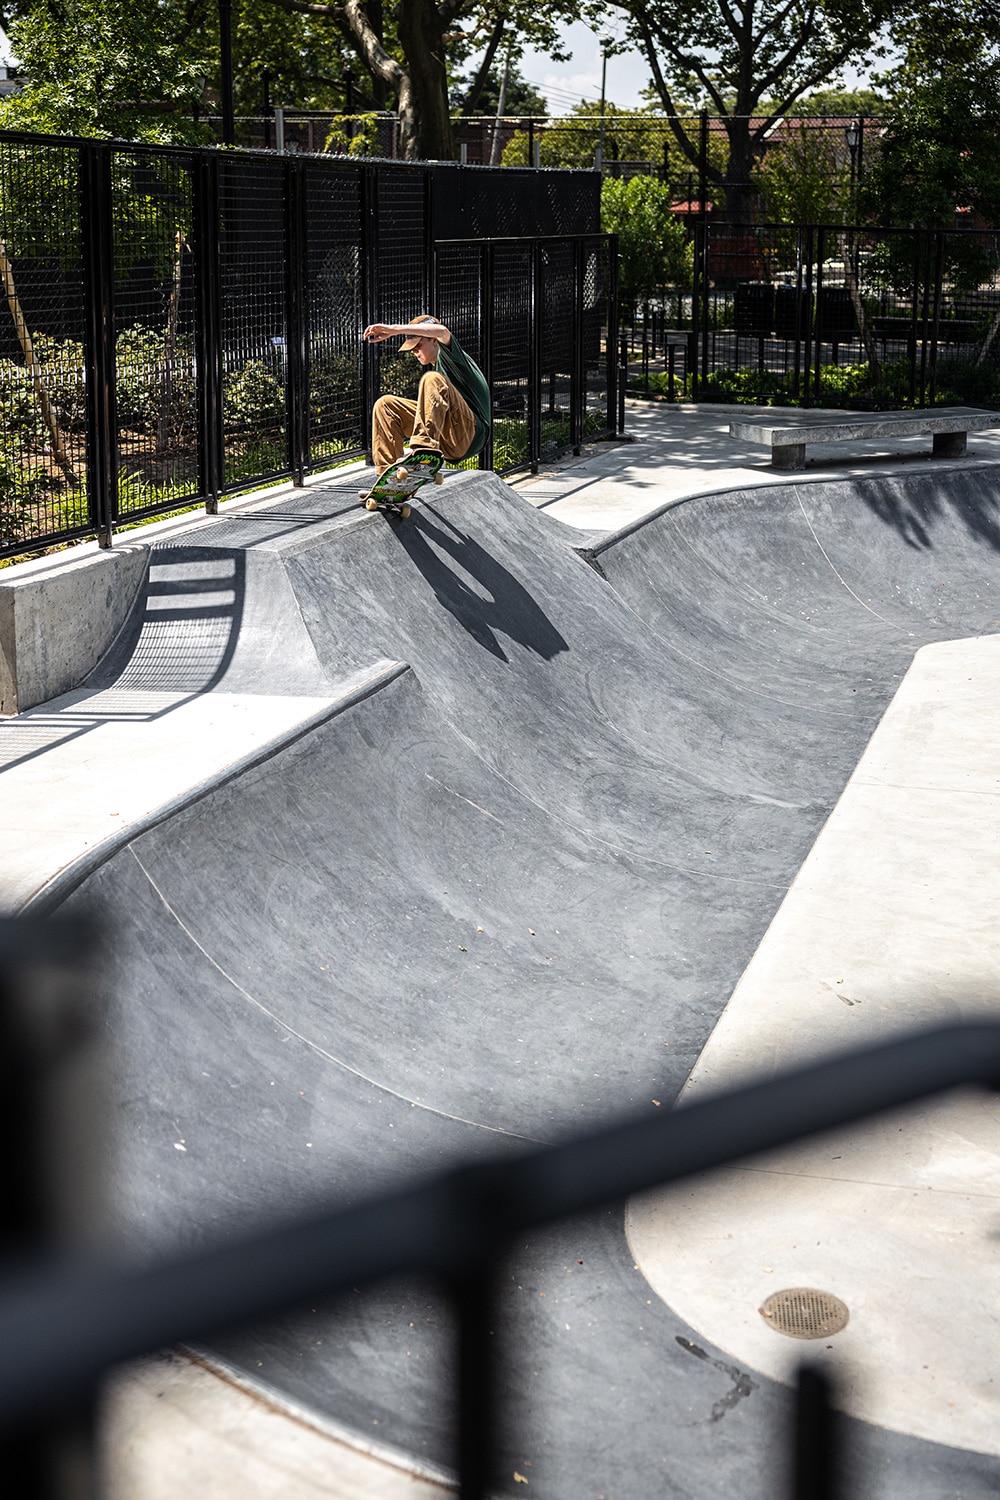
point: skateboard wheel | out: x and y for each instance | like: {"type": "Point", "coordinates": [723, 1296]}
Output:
{"type": "Point", "coordinates": [401, 474]}
{"type": "Point", "coordinates": [439, 479]}
{"type": "Point", "coordinates": [371, 503]}
{"type": "Point", "coordinates": [404, 511]}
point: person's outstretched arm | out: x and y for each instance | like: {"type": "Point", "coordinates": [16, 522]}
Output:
{"type": "Point", "coordinates": [377, 333]}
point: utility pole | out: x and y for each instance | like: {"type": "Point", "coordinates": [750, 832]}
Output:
{"type": "Point", "coordinates": [501, 106]}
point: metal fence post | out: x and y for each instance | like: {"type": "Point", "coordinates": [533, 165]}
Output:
{"type": "Point", "coordinates": [296, 316]}
{"type": "Point", "coordinates": [924, 311]}
{"type": "Point", "coordinates": [936, 316]}
{"type": "Point", "coordinates": [369, 295]}
{"type": "Point", "coordinates": [208, 341]}
{"type": "Point", "coordinates": [578, 380]}
{"type": "Point", "coordinates": [820, 253]}
{"type": "Point", "coordinates": [486, 337]}
{"type": "Point", "coordinates": [611, 339]}
{"type": "Point", "coordinates": [99, 338]}
{"type": "Point", "coordinates": [535, 365]}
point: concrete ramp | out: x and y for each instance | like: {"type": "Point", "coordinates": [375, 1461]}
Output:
{"type": "Point", "coordinates": [504, 888]}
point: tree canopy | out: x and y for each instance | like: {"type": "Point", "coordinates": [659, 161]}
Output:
{"type": "Point", "coordinates": [939, 150]}
{"type": "Point", "coordinates": [102, 67]}
{"type": "Point", "coordinates": [746, 61]}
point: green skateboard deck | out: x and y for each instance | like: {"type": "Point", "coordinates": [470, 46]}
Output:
{"type": "Point", "coordinates": [394, 489]}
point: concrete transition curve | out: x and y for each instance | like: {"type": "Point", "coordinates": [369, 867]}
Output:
{"type": "Point", "coordinates": [503, 889]}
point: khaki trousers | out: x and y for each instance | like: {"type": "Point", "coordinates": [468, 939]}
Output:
{"type": "Point", "coordinates": [440, 419]}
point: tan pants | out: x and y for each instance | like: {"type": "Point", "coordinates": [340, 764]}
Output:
{"type": "Point", "coordinates": [440, 419]}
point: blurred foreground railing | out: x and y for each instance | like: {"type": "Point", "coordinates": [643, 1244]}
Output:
{"type": "Point", "coordinates": [65, 1320]}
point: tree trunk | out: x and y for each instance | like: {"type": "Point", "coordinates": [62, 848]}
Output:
{"type": "Point", "coordinates": [425, 118]}
{"type": "Point", "coordinates": [34, 368]}
{"type": "Point", "coordinates": [741, 194]}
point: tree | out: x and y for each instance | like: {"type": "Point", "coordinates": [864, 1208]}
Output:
{"type": "Point", "coordinates": [939, 150]}
{"type": "Point", "coordinates": [735, 56]}
{"type": "Point", "coordinates": [102, 67]}
{"type": "Point", "coordinates": [804, 176]}
{"type": "Point", "coordinates": [654, 250]}
{"type": "Point", "coordinates": [410, 55]}
{"type": "Point", "coordinates": [840, 103]}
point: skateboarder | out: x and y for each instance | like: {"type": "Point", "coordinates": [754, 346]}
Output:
{"type": "Point", "coordinates": [451, 415]}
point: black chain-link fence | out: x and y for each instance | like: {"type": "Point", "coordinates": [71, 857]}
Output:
{"type": "Point", "coordinates": [181, 324]}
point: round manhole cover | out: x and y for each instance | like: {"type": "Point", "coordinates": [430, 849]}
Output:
{"type": "Point", "coordinates": [803, 1313]}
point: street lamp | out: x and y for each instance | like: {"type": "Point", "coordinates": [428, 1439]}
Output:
{"type": "Point", "coordinates": [606, 40]}
{"type": "Point", "coordinates": [852, 135]}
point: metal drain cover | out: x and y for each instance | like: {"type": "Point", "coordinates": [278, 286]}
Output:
{"type": "Point", "coordinates": [801, 1312]}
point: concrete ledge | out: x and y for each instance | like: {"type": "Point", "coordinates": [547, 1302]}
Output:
{"type": "Point", "coordinates": [58, 616]}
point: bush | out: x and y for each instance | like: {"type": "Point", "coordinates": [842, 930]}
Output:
{"type": "Point", "coordinates": [253, 399]}
{"type": "Point", "coordinates": [22, 491]}
{"type": "Point", "coordinates": [140, 362]}
{"type": "Point", "coordinates": [654, 250]}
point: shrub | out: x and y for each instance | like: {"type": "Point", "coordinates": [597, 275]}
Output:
{"type": "Point", "coordinates": [140, 362]}
{"type": "Point", "coordinates": [653, 246]}
{"type": "Point", "coordinates": [254, 399]}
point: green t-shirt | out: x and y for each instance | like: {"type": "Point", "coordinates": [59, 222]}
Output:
{"type": "Point", "coordinates": [468, 379]}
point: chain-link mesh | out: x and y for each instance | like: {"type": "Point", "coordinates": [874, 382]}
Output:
{"type": "Point", "coordinates": [155, 374]}
{"type": "Point", "coordinates": [180, 323]}
{"type": "Point", "coordinates": [43, 419]}
{"type": "Point", "coordinates": [253, 315]}
{"type": "Point", "coordinates": [334, 296]}
{"type": "Point", "coordinates": [557, 302]}
{"type": "Point", "coordinates": [403, 243]}
{"type": "Point", "coordinates": [459, 300]}
{"type": "Point", "coordinates": [594, 321]}
{"type": "Point", "coordinates": [511, 344]}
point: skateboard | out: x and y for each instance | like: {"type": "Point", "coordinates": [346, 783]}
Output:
{"type": "Point", "coordinates": [394, 489]}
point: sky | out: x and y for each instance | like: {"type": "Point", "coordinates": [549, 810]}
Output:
{"type": "Point", "coordinates": [565, 84]}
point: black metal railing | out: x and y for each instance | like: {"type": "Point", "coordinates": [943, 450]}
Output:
{"type": "Point", "coordinates": [825, 315]}
{"type": "Point", "coordinates": [184, 324]}
{"type": "Point", "coordinates": [64, 1322]}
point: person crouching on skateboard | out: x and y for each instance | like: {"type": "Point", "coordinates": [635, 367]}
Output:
{"type": "Point", "coordinates": [451, 415]}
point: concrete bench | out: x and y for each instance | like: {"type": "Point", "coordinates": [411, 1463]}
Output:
{"type": "Point", "coordinates": [788, 435]}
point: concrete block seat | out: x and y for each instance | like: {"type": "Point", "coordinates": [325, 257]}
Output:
{"type": "Point", "coordinates": [790, 434]}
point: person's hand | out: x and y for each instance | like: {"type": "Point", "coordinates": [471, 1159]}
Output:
{"type": "Point", "coordinates": [377, 333]}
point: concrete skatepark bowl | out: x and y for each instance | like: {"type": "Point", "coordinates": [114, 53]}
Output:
{"type": "Point", "coordinates": [500, 890]}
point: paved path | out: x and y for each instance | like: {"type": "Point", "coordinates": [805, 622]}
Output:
{"type": "Point", "coordinates": [727, 688]}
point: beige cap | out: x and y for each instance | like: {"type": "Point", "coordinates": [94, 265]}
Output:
{"type": "Point", "coordinates": [411, 343]}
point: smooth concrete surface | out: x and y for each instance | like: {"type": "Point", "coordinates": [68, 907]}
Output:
{"type": "Point", "coordinates": [329, 965]}
{"type": "Point", "coordinates": [172, 1420]}
{"type": "Point", "coordinates": [60, 613]}
{"type": "Point", "coordinates": [890, 924]}
{"type": "Point", "coordinates": [682, 450]}
{"type": "Point", "coordinates": [59, 616]}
